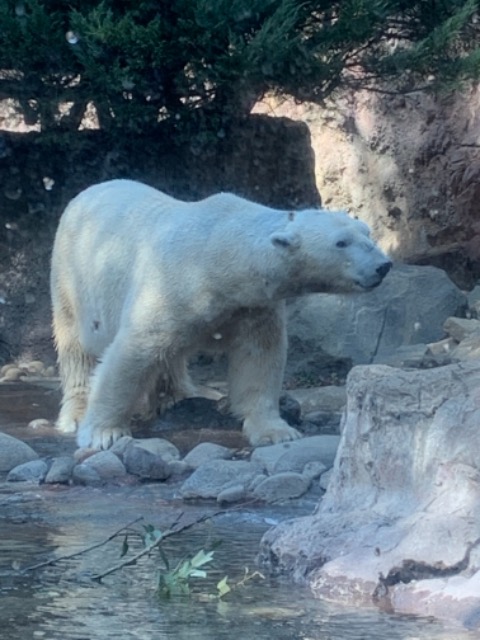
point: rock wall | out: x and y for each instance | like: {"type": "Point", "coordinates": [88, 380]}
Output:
{"type": "Point", "coordinates": [399, 524]}
{"type": "Point", "coordinates": [408, 165]}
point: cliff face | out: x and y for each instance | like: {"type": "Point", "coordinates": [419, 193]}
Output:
{"type": "Point", "coordinates": [407, 165]}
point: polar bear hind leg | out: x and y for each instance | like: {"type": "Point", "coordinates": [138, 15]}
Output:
{"type": "Point", "coordinates": [257, 355]}
{"type": "Point", "coordinates": [75, 367]}
{"type": "Point", "coordinates": [170, 385]}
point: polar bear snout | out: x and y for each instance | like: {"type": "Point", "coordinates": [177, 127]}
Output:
{"type": "Point", "coordinates": [376, 278]}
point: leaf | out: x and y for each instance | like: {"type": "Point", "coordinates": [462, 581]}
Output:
{"type": "Point", "coordinates": [223, 588]}
{"type": "Point", "coordinates": [125, 547]}
{"type": "Point", "coordinates": [201, 558]}
{"type": "Point", "coordinates": [197, 573]}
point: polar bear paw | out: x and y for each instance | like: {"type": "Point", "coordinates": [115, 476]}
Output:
{"type": "Point", "coordinates": [100, 437]}
{"type": "Point", "coordinates": [260, 433]}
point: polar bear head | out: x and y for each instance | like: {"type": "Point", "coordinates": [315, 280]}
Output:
{"type": "Point", "coordinates": [330, 252]}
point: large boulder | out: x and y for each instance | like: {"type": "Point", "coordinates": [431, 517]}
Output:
{"type": "Point", "coordinates": [400, 521]}
{"type": "Point", "coordinates": [409, 307]}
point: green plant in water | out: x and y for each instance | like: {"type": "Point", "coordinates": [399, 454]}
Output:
{"type": "Point", "coordinates": [176, 581]}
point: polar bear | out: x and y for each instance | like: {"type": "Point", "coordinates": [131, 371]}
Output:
{"type": "Point", "coordinates": [140, 281]}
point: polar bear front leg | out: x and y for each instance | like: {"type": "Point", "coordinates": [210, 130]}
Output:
{"type": "Point", "coordinates": [116, 386]}
{"type": "Point", "coordinates": [257, 355]}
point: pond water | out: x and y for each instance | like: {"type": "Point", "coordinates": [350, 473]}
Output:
{"type": "Point", "coordinates": [62, 602]}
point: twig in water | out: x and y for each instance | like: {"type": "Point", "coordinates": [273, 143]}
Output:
{"type": "Point", "coordinates": [82, 551]}
{"type": "Point", "coordinates": [166, 534]}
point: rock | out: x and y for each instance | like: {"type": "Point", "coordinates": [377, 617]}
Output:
{"type": "Point", "coordinates": [145, 464]}
{"type": "Point", "coordinates": [13, 374]}
{"type": "Point", "coordinates": [321, 423]}
{"type": "Point", "coordinates": [328, 399]}
{"type": "Point", "coordinates": [411, 356]}
{"type": "Point", "coordinates": [40, 423]}
{"type": "Point", "coordinates": [60, 471]}
{"type": "Point", "coordinates": [314, 469]}
{"type": "Point", "coordinates": [33, 471]}
{"type": "Point", "coordinates": [409, 307]}
{"type": "Point", "coordinates": [439, 353]}
{"type": "Point", "coordinates": [282, 486]}
{"type": "Point", "coordinates": [159, 447]}
{"type": "Point", "coordinates": [106, 464]}
{"type": "Point", "coordinates": [460, 328]}
{"type": "Point", "coordinates": [401, 511]}
{"type": "Point", "coordinates": [206, 451]}
{"type": "Point", "coordinates": [325, 479]}
{"type": "Point", "coordinates": [209, 480]}
{"type": "Point", "coordinates": [87, 476]}
{"type": "Point", "coordinates": [468, 349]}
{"type": "Point", "coordinates": [14, 452]}
{"type": "Point", "coordinates": [234, 493]}
{"type": "Point", "coordinates": [293, 456]}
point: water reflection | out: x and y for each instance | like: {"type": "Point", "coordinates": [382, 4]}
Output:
{"type": "Point", "coordinates": [62, 603]}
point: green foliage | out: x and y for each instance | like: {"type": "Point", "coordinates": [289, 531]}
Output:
{"type": "Point", "coordinates": [176, 581]}
{"type": "Point", "coordinates": [195, 63]}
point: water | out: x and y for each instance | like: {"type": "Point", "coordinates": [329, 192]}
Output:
{"type": "Point", "coordinates": [61, 602]}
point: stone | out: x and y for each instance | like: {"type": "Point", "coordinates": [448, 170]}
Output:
{"type": "Point", "coordinates": [86, 476]}
{"type": "Point", "coordinates": [106, 464]}
{"type": "Point", "coordinates": [328, 399]}
{"type": "Point", "coordinates": [409, 307]}
{"type": "Point", "coordinates": [159, 447]}
{"type": "Point", "coordinates": [293, 456]}
{"type": "Point", "coordinates": [233, 493]}
{"type": "Point", "coordinates": [402, 508]}
{"type": "Point", "coordinates": [40, 423]}
{"type": "Point", "coordinates": [60, 471]}
{"type": "Point", "coordinates": [209, 480]}
{"type": "Point", "coordinates": [460, 328]}
{"type": "Point", "coordinates": [282, 486]}
{"type": "Point", "coordinates": [145, 464]}
{"type": "Point", "coordinates": [14, 452]}
{"type": "Point", "coordinates": [206, 451]}
{"type": "Point", "coordinates": [33, 471]}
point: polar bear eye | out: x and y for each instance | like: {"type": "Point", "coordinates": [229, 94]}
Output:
{"type": "Point", "coordinates": [341, 244]}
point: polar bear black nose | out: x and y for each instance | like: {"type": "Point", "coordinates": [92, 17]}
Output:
{"type": "Point", "coordinates": [384, 268]}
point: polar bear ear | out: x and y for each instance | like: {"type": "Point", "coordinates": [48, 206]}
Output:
{"type": "Point", "coordinates": [285, 240]}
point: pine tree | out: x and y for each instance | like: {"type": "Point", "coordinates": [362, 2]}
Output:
{"type": "Point", "coordinates": [194, 62]}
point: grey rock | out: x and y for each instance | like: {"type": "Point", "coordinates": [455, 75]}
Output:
{"type": "Point", "coordinates": [321, 422]}
{"type": "Point", "coordinates": [206, 451]}
{"type": "Point", "coordinates": [106, 464]}
{"type": "Point", "coordinates": [314, 469]}
{"type": "Point", "coordinates": [460, 328]}
{"type": "Point", "coordinates": [409, 307]}
{"type": "Point", "coordinates": [178, 467]}
{"type": "Point", "coordinates": [159, 447]}
{"type": "Point", "coordinates": [33, 471]}
{"type": "Point", "coordinates": [86, 476]}
{"type": "Point", "coordinates": [146, 465]}
{"type": "Point", "coordinates": [402, 501]}
{"type": "Point", "coordinates": [60, 471]}
{"type": "Point", "coordinates": [468, 349]}
{"type": "Point", "coordinates": [282, 486]}
{"type": "Point", "coordinates": [293, 456]}
{"type": "Point", "coordinates": [325, 479]}
{"type": "Point", "coordinates": [233, 493]}
{"type": "Point", "coordinates": [209, 480]}
{"type": "Point", "coordinates": [328, 399]}
{"type": "Point", "coordinates": [14, 452]}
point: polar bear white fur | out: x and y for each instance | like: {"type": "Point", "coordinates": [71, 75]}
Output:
{"type": "Point", "coordinates": [140, 281]}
